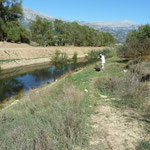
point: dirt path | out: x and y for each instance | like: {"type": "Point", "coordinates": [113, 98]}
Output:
{"type": "Point", "coordinates": [113, 129]}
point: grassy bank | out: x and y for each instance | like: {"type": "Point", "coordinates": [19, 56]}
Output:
{"type": "Point", "coordinates": [55, 118]}
{"type": "Point", "coordinates": [58, 117]}
{"type": "Point", "coordinates": [8, 60]}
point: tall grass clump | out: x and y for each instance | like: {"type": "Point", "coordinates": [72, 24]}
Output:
{"type": "Point", "coordinates": [59, 58]}
{"type": "Point", "coordinates": [143, 145]}
{"type": "Point", "coordinates": [92, 55]}
{"type": "Point", "coordinates": [69, 121]}
{"type": "Point", "coordinates": [75, 57]}
{"type": "Point", "coordinates": [49, 120]}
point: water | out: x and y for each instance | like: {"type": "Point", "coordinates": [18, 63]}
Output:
{"type": "Point", "coordinates": [13, 82]}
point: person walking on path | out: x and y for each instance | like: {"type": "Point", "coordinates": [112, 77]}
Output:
{"type": "Point", "coordinates": [102, 57]}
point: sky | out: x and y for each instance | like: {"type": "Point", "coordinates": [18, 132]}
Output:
{"type": "Point", "coordinates": [137, 11]}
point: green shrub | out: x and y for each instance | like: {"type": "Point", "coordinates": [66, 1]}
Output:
{"type": "Point", "coordinates": [59, 58]}
{"type": "Point", "coordinates": [92, 55]}
{"type": "Point", "coordinates": [75, 57]}
{"type": "Point", "coordinates": [56, 57]}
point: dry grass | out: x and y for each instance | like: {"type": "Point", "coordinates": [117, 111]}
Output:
{"type": "Point", "coordinates": [14, 51]}
{"type": "Point", "coordinates": [128, 88]}
{"type": "Point", "coordinates": [52, 119]}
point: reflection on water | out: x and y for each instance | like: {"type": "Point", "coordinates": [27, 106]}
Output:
{"type": "Point", "coordinates": [12, 85]}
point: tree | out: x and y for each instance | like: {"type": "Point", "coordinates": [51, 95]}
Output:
{"type": "Point", "coordinates": [59, 32]}
{"type": "Point", "coordinates": [138, 43]}
{"type": "Point", "coordinates": [12, 32]}
{"type": "Point", "coordinates": [11, 10]}
{"type": "Point", "coordinates": [15, 32]}
{"type": "Point", "coordinates": [10, 28]}
{"type": "Point", "coordinates": [131, 36]}
{"type": "Point", "coordinates": [143, 32]}
{"type": "Point", "coordinates": [25, 35]}
{"type": "Point", "coordinates": [42, 31]}
{"type": "Point", "coordinates": [67, 34]}
{"type": "Point", "coordinates": [77, 34]}
{"type": "Point", "coordinates": [2, 28]}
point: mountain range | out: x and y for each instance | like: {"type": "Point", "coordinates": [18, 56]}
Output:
{"type": "Point", "coordinates": [118, 29]}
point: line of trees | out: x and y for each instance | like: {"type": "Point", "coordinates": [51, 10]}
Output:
{"type": "Point", "coordinates": [45, 32]}
{"type": "Point", "coordinates": [61, 33]}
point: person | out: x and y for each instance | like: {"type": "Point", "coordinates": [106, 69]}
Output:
{"type": "Point", "coordinates": [102, 57]}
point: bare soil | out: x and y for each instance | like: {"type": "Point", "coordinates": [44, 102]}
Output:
{"type": "Point", "coordinates": [114, 129]}
{"type": "Point", "coordinates": [29, 55]}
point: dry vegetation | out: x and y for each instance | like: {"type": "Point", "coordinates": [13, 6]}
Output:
{"type": "Point", "coordinates": [52, 119]}
{"type": "Point", "coordinates": [129, 87]}
{"type": "Point", "coordinates": [14, 51]}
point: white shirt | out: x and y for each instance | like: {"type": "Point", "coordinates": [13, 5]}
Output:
{"type": "Point", "coordinates": [103, 59]}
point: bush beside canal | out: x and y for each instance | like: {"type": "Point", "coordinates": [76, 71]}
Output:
{"type": "Point", "coordinates": [59, 58]}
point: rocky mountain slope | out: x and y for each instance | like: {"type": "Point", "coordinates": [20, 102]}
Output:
{"type": "Point", "coordinates": [119, 29]}
{"type": "Point", "coordinates": [30, 15]}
